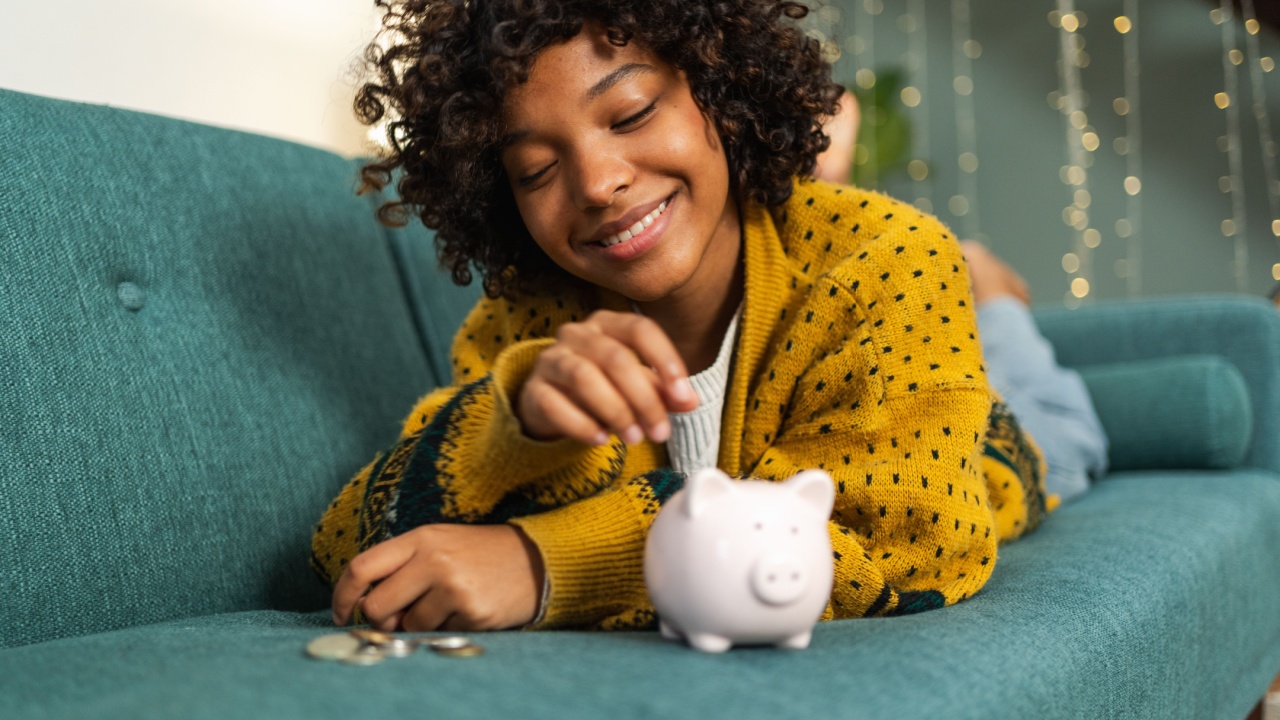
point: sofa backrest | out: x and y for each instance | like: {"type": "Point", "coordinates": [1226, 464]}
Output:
{"type": "Point", "coordinates": [203, 335]}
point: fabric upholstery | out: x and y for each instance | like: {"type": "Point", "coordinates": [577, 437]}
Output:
{"type": "Point", "coordinates": [1189, 411]}
{"type": "Point", "coordinates": [1243, 330]}
{"type": "Point", "coordinates": [1152, 596]}
{"type": "Point", "coordinates": [204, 336]}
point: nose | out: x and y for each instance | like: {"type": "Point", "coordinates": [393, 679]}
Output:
{"type": "Point", "coordinates": [599, 178]}
{"type": "Point", "coordinates": [778, 579]}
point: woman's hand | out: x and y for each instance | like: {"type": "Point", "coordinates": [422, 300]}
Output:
{"type": "Point", "coordinates": [444, 577]}
{"type": "Point", "coordinates": [615, 372]}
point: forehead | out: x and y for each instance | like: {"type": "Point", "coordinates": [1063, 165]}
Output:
{"type": "Point", "coordinates": [573, 68]}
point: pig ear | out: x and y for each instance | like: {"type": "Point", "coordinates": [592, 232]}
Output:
{"type": "Point", "coordinates": [703, 488]}
{"type": "Point", "coordinates": [816, 488]}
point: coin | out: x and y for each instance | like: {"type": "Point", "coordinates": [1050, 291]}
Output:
{"type": "Point", "coordinates": [396, 647]}
{"type": "Point", "coordinates": [464, 651]}
{"type": "Point", "coordinates": [376, 637]}
{"type": "Point", "coordinates": [446, 642]}
{"type": "Point", "coordinates": [335, 646]}
{"type": "Point", "coordinates": [364, 658]}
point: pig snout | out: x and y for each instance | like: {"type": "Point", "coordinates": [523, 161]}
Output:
{"type": "Point", "coordinates": [778, 579]}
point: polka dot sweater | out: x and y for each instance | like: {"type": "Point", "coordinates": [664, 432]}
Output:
{"type": "Point", "coordinates": [858, 354]}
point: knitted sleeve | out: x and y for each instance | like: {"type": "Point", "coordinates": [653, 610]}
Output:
{"type": "Point", "coordinates": [462, 455]}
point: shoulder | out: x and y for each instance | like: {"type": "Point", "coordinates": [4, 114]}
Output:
{"type": "Point", "coordinates": [903, 280]}
{"type": "Point", "coordinates": [856, 236]}
{"type": "Point", "coordinates": [847, 231]}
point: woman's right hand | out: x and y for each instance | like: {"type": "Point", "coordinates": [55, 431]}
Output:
{"type": "Point", "coordinates": [613, 372]}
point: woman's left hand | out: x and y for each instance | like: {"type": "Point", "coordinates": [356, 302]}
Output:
{"type": "Point", "coordinates": [444, 577]}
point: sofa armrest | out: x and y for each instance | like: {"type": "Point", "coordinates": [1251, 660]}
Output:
{"type": "Point", "coordinates": [1244, 330]}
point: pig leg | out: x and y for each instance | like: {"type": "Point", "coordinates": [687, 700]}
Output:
{"type": "Point", "coordinates": [709, 643]}
{"type": "Point", "coordinates": [668, 631]}
{"type": "Point", "coordinates": [797, 642]}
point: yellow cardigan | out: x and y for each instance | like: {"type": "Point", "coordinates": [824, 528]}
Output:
{"type": "Point", "coordinates": [858, 353]}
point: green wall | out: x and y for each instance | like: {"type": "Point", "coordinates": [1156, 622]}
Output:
{"type": "Point", "coordinates": [1021, 140]}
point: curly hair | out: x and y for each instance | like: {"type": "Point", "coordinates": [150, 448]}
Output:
{"type": "Point", "coordinates": [439, 69]}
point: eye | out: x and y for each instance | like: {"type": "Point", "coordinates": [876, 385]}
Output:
{"type": "Point", "coordinates": [637, 117]}
{"type": "Point", "coordinates": [759, 526]}
{"type": "Point", "coordinates": [795, 530]}
{"type": "Point", "coordinates": [531, 179]}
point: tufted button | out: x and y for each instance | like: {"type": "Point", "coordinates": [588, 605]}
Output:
{"type": "Point", "coordinates": [131, 296]}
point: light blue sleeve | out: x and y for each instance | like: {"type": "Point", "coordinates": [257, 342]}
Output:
{"type": "Point", "coordinates": [1050, 402]}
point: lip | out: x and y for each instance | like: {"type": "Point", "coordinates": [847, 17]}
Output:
{"type": "Point", "coordinates": [638, 244]}
{"type": "Point", "coordinates": [626, 221]}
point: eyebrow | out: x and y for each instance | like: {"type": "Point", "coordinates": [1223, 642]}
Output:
{"type": "Point", "coordinates": [625, 72]}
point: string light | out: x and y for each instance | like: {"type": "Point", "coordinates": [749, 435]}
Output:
{"type": "Point", "coordinates": [918, 53]}
{"type": "Point", "coordinates": [868, 154]}
{"type": "Point", "coordinates": [964, 49]}
{"type": "Point", "coordinates": [1256, 68]}
{"type": "Point", "coordinates": [1234, 227]}
{"type": "Point", "coordinates": [1129, 107]}
{"type": "Point", "coordinates": [1077, 263]}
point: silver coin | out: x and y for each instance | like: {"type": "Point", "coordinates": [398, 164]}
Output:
{"type": "Point", "coordinates": [363, 657]}
{"type": "Point", "coordinates": [447, 642]}
{"type": "Point", "coordinates": [396, 647]}
{"type": "Point", "coordinates": [336, 646]}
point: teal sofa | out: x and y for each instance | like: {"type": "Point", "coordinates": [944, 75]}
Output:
{"type": "Point", "coordinates": [205, 333]}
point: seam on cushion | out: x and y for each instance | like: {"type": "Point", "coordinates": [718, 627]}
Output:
{"type": "Point", "coordinates": [407, 287]}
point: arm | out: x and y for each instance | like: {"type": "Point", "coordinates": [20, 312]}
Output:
{"type": "Point", "coordinates": [461, 454]}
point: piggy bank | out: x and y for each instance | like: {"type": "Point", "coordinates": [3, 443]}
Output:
{"type": "Point", "coordinates": [741, 562]}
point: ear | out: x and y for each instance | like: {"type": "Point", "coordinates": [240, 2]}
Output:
{"type": "Point", "coordinates": [816, 488]}
{"type": "Point", "coordinates": [705, 487]}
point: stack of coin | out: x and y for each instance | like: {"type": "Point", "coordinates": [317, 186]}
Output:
{"type": "Point", "coordinates": [370, 647]}
{"type": "Point", "coordinates": [452, 646]}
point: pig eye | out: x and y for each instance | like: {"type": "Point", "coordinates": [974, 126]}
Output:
{"type": "Point", "coordinates": [759, 526]}
{"type": "Point", "coordinates": [795, 530]}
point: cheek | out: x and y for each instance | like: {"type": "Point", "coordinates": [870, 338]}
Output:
{"type": "Point", "coordinates": [693, 140]}
{"type": "Point", "coordinates": [540, 219]}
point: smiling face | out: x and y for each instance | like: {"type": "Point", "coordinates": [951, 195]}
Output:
{"type": "Point", "coordinates": [618, 175]}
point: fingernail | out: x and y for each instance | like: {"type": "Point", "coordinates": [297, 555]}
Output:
{"type": "Point", "coordinates": [601, 438]}
{"type": "Point", "coordinates": [661, 431]}
{"type": "Point", "coordinates": [632, 435]}
{"type": "Point", "coordinates": [682, 389]}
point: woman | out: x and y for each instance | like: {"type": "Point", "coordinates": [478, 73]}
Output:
{"type": "Point", "coordinates": [630, 180]}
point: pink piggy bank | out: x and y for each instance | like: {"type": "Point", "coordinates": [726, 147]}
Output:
{"type": "Point", "coordinates": [741, 562]}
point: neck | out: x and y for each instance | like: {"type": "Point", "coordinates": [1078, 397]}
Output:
{"type": "Point", "coordinates": [695, 317]}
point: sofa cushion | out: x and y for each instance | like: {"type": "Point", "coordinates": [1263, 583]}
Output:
{"type": "Point", "coordinates": [204, 336]}
{"type": "Point", "coordinates": [1152, 596]}
{"type": "Point", "coordinates": [1244, 330]}
{"type": "Point", "coordinates": [1188, 411]}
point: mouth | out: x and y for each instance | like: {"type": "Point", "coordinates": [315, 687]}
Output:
{"type": "Point", "coordinates": [636, 228]}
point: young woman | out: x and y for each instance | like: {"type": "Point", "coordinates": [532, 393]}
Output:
{"type": "Point", "coordinates": [665, 290]}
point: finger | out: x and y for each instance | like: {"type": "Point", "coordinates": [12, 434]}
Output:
{"type": "Point", "coordinates": [395, 594]}
{"type": "Point", "coordinates": [636, 385]}
{"type": "Point", "coordinates": [583, 382]}
{"type": "Point", "coordinates": [363, 571]}
{"type": "Point", "coordinates": [656, 350]}
{"type": "Point", "coordinates": [428, 614]}
{"type": "Point", "coordinates": [563, 416]}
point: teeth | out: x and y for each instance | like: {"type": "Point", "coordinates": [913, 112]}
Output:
{"type": "Point", "coordinates": [636, 229]}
